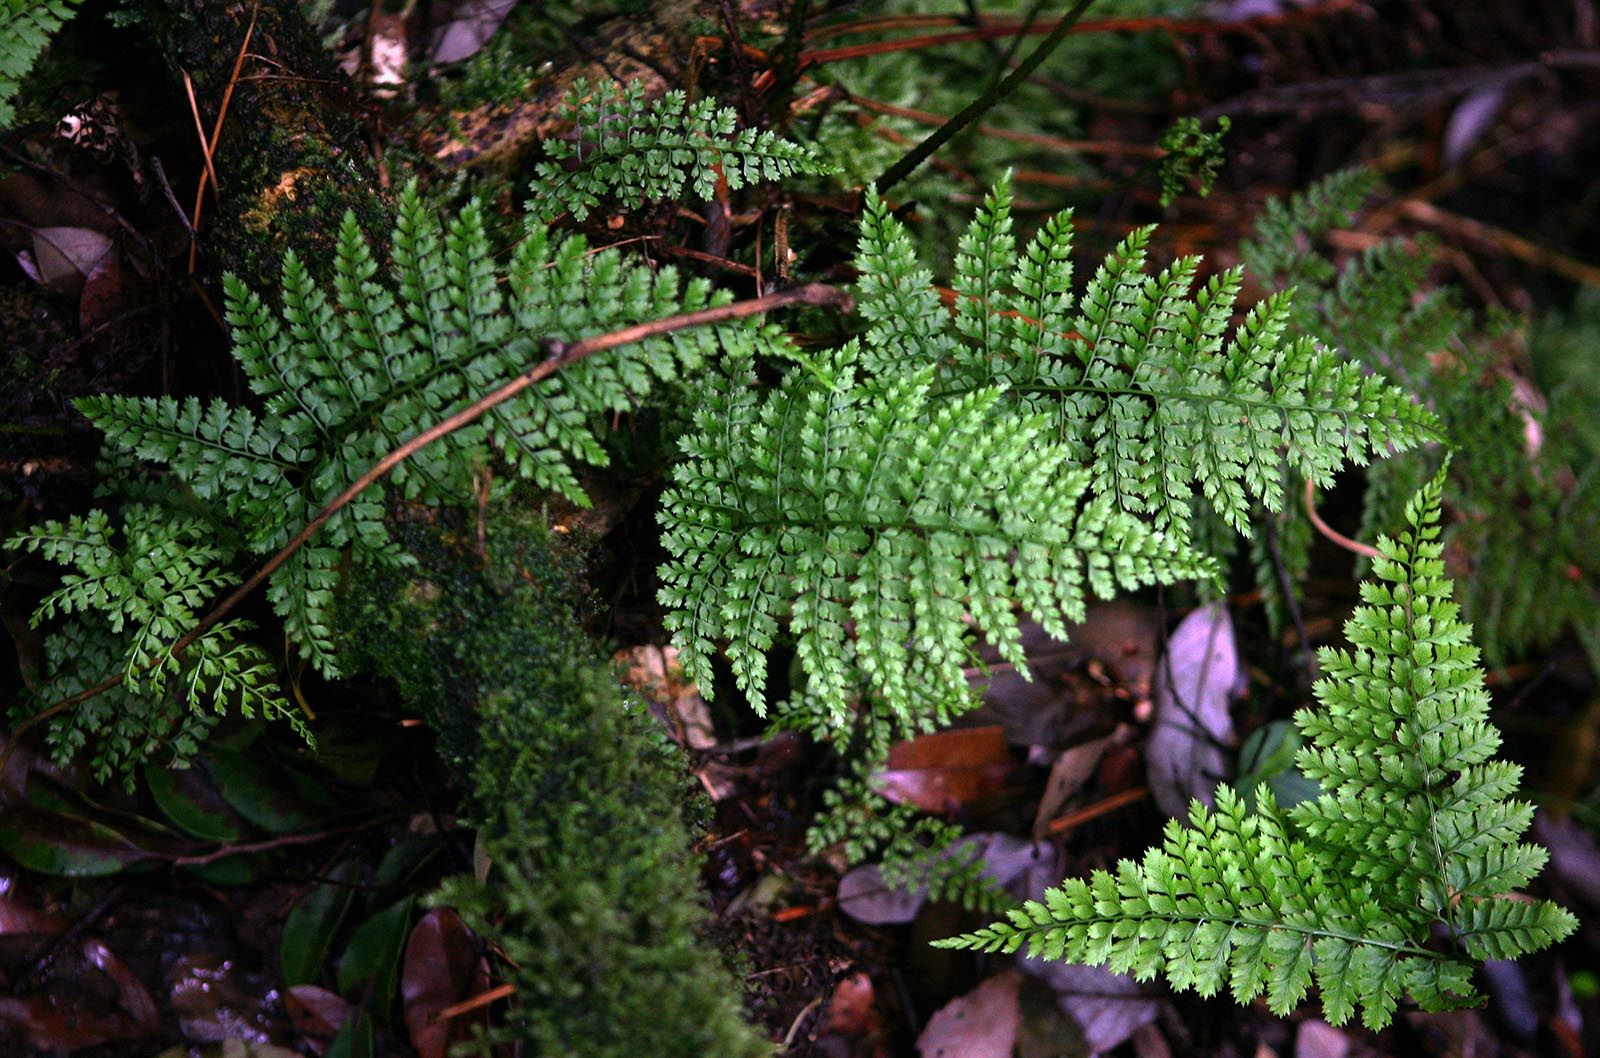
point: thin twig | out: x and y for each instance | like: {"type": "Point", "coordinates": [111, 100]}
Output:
{"type": "Point", "coordinates": [172, 199]}
{"type": "Point", "coordinates": [282, 841]}
{"type": "Point", "coordinates": [482, 999]}
{"type": "Point", "coordinates": [1354, 546]}
{"type": "Point", "coordinates": [981, 105]}
{"type": "Point", "coordinates": [1054, 143]}
{"type": "Point", "coordinates": [200, 131]}
{"type": "Point", "coordinates": [54, 947]}
{"type": "Point", "coordinates": [560, 354]}
{"type": "Point", "coordinates": [216, 131]}
{"type": "Point", "coordinates": [1109, 804]}
{"type": "Point", "coordinates": [1525, 250]}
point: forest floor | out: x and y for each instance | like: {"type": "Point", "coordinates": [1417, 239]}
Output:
{"type": "Point", "coordinates": [245, 907]}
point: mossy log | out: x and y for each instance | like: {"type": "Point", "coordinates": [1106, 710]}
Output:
{"type": "Point", "coordinates": [581, 802]}
{"type": "Point", "coordinates": [292, 156]}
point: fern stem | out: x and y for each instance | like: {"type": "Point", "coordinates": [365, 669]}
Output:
{"type": "Point", "coordinates": [1354, 546]}
{"type": "Point", "coordinates": [985, 102]}
{"type": "Point", "coordinates": [560, 355]}
{"type": "Point", "coordinates": [1241, 921]}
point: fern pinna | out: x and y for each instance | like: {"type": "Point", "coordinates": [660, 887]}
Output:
{"type": "Point", "coordinates": [346, 377]}
{"type": "Point", "coordinates": [26, 27]}
{"type": "Point", "coordinates": [894, 497]}
{"type": "Point", "coordinates": [1414, 835]}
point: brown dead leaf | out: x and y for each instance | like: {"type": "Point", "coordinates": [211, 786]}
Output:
{"type": "Point", "coordinates": [981, 1024]}
{"type": "Point", "coordinates": [1123, 636]}
{"type": "Point", "coordinates": [102, 300]}
{"type": "Point", "coordinates": [133, 999]}
{"type": "Point", "coordinates": [316, 1014]}
{"type": "Point", "coordinates": [65, 256]}
{"type": "Point", "coordinates": [656, 673]}
{"type": "Point", "coordinates": [1148, 1042]}
{"type": "Point", "coordinates": [92, 1000]}
{"type": "Point", "coordinates": [1073, 768]}
{"type": "Point", "coordinates": [850, 1012]}
{"type": "Point", "coordinates": [19, 916]}
{"type": "Point", "coordinates": [1318, 1039]}
{"type": "Point", "coordinates": [437, 973]}
{"type": "Point", "coordinates": [56, 1028]}
{"type": "Point", "coordinates": [946, 770]}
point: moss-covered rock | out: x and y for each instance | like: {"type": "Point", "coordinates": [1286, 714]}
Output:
{"type": "Point", "coordinates": [592, 895]}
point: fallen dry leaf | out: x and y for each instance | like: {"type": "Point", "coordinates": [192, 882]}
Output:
{"type": "Point", "coordinates": [981, 1024]}
{"type": "Point", "coordinates": [475, 21]}
{"type": "Point", "coordinates": [19, 916]}
{"type": "Point", "coordinates": [66, 255]}
{"type": "Point", "coordinates": [316, 1014]}
{"type": "Point", "coordinates": [850, 1011]}
{"type": "Point", "coordinates": [656, 673]}
{"type": "Point", "coordinates": [1109, 1008]}
{"type": "Point", "coordinates": [72, 1013]}
{"type": "Point", "coordinates": [440, 958]}
{"type": "Point", "coordinates": [1318, 1039]}
{"type": "Point", "coordinates": [1193, 685]}
{"type": "Point", "coordinates": [866, 897]}
{"type": "Point", "coordinates": [1072, 769]}
{"type": "Point", "coordinates": [946, 770]}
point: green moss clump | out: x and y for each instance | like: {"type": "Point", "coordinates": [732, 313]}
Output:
{"type": "Point", "coordinates": [593, 895]}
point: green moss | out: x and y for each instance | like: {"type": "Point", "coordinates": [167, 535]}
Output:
{"type": "Point", "coordinates": [292, 157]}
{"type": "Point", "coordinates": [592, 894]}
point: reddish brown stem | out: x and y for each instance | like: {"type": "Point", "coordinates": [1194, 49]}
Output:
{"type": "Point", "coordinates": [1355, 546]}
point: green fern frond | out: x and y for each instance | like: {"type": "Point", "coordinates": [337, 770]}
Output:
{"type": "Point", "coordinates": [1283, 246]}
{"type": "Point", "coordinates": [347, 378]}
{"type": "Point", "coordinates": [914, 852]}
{"type": "Point", "coordinates": [802, 513]}
{"type": "Point", "coordinates": [26, 27]}
{"type": "Point", "coordinates": [626, 148]}
{"type": "Point", "coordinates": [884, 529]}
{"type": "Point", "coordinates": [1143, 382]}
{"type": "Point", "coordinates": [129, 593]}
{"type": "Point", "coordinates": [1414, 831]}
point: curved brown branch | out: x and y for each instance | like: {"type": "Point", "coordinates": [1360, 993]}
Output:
{"type": "Point", "coordinates": [560, 354]}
